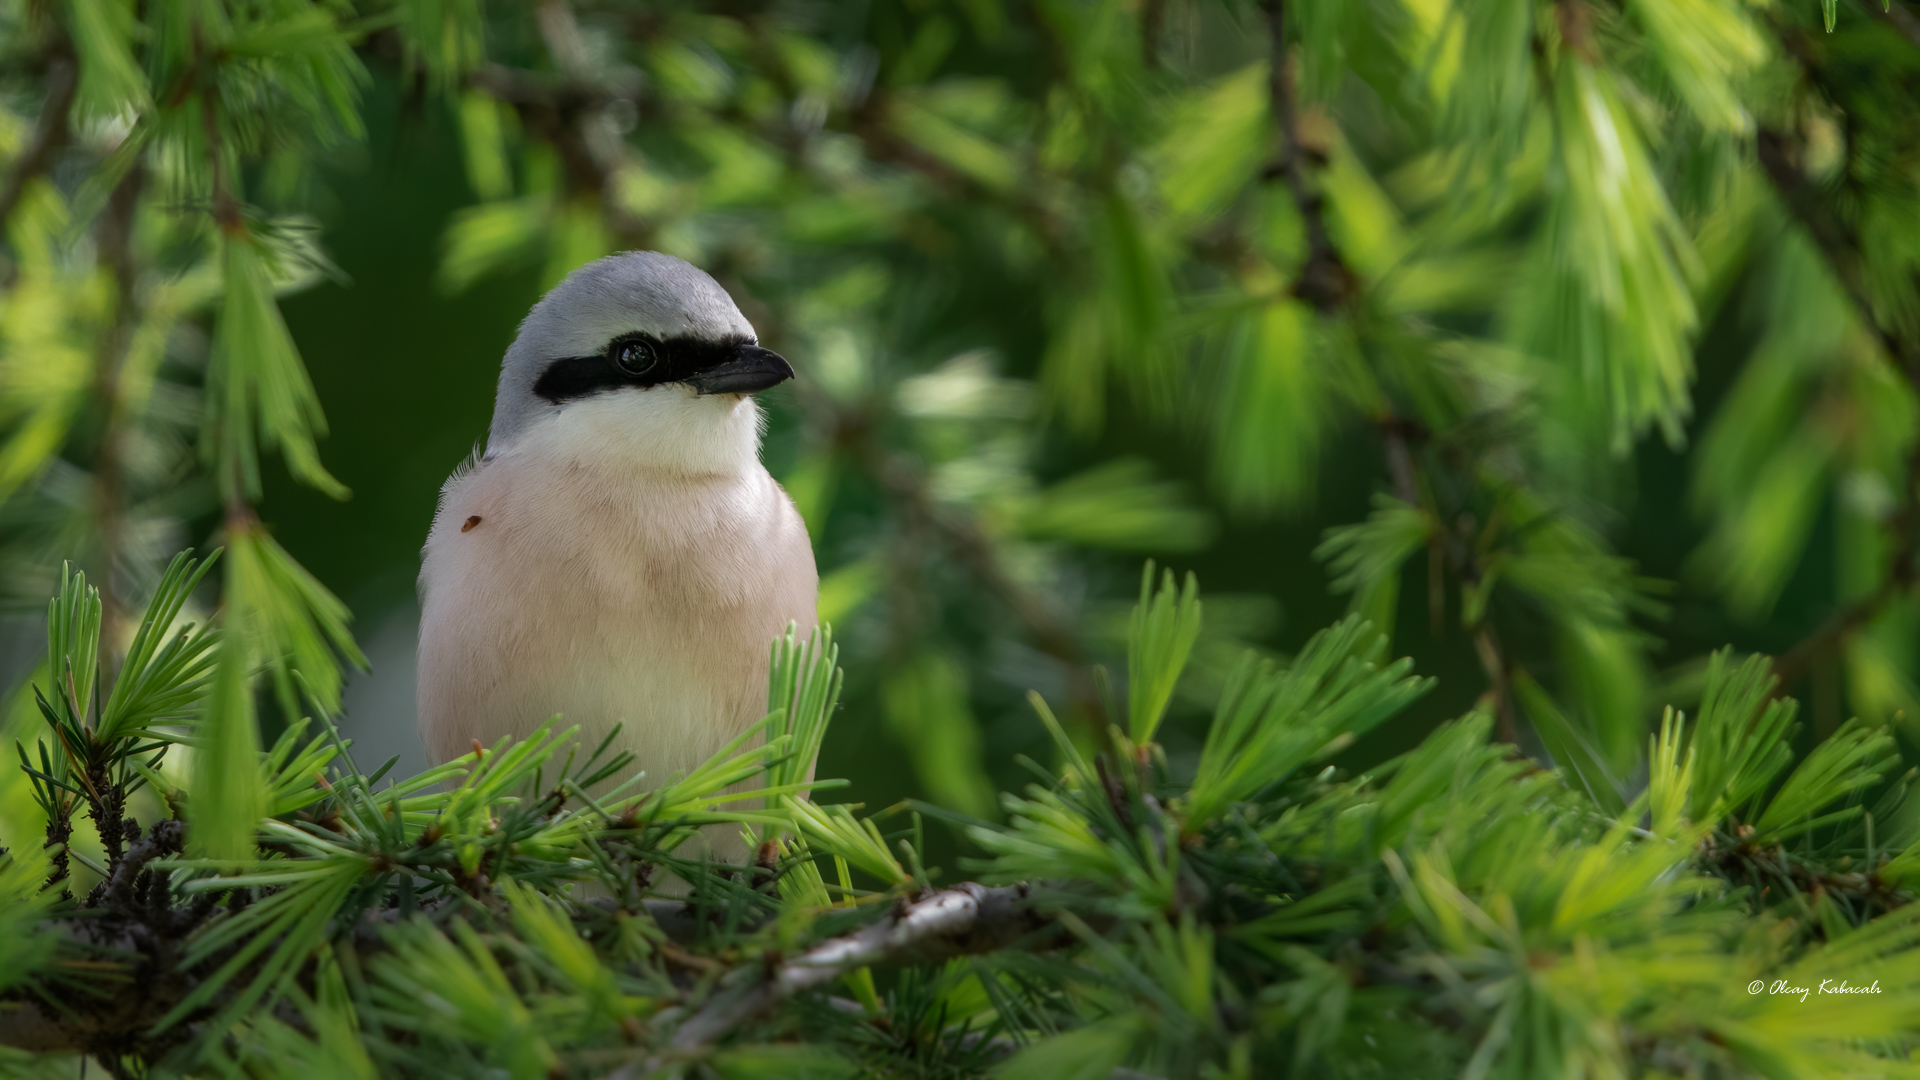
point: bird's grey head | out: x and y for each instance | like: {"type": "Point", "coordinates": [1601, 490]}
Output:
{"type": "Point", "coordinates": [635, 323]}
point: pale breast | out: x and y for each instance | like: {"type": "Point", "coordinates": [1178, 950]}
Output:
{"type": "Point", "coordinates": [607, 596]}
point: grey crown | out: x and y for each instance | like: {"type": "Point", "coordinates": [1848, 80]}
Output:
{"type": "Point", "coordinates": [624, 293]}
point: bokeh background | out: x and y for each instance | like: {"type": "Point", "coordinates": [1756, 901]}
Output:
{"type": "Point", "coordinates": [1568, 340]}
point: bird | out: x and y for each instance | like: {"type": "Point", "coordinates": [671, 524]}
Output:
{"type": "Point", "coordinates": [619, 554]}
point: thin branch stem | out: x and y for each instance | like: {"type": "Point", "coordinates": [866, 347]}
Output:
{"type": "Point", "coordinates": [1324, 281]}
{"type": "Point", "coordinates": [1840, 244]}
{"type": "Point", "coordinates": [572, 116]}
{"type": "Point", "coordinates": [1894, 14]}
{"type": "Point", "coordinates": [165, 838]}
{"type": "Point", "coordinates": [1903, 565]}
{"type": "Point", "coordinates": [1327, 284]}
{"type": "Point", "coordinates": [979, 555]}
{"type": "Point", "coordinates": [1841, 247]}
{"type": "Point", "coordinates": [50, 133]}
{"type": "Point", "coordinates": [1486, 645]}
{"type": "Point", "coordinates": [227, 212]}
{"type": "Point", "coordinates": [1153, 20]}
{"type": "Point", "coordinates": [966, 920]}
{"type": "Point", "coordinates": [115, 245]}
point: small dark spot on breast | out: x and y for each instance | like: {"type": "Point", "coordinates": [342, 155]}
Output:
{"type": "Point", "coordinates": [471, 522]}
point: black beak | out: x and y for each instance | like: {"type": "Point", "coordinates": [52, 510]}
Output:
{"type": "Point", "coordinates": [749, 370]}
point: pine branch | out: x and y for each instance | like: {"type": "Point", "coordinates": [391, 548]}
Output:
{"type": "Point", "coordinates": [59, 836]}
{"type": "Point", "coordinates": [108, 809]}
{"type": "Point", "coordinates": [978, 554]}
{"type": "Point", "coordinates": [1327, 284]}
{"type": "Point", "coordinates": [570, 115]}
{"type": "Point", "coordinates": [115, 242]}
{"type": "Point", "coordinates": [165, 838]}
{"type": "Point", "coordinates": [50, 133]}
{"type": "Point", "coordinates": [1779, 155]}
{"type": "Point", "coordinates": [1894, 14]}
{"type": "Point", "coordinates": [24, 1025]}
{"type": "Point", "coordinates": [1792, 666]}
{"type": "Point", "coordinates": [1324, 280]}
{"type": "Point", "coordinates": [227, 210]}
{"type": "Point", "coordinates": [1840, 244]}
{"type": "Point", "coordinates": [872, 120]}
{"type": "Point", "coordinates": [1153, 20]}
{"type": "Point", "coordinates": [1493, 660]}
{"type": "Point", "coordinates": [872, 124]}
{"type": "Point", "coordinates": [966, 920]}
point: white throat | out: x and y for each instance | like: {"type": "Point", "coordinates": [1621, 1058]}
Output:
{"type": "Point", "coordinates": [665, 430]}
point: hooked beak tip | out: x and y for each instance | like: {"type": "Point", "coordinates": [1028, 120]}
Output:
{"type": "Point", "coordinates": [749, 370]}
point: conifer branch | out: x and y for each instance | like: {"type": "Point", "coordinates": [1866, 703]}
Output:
{"type": "Point", "coordinates": [1324, 281]}
{"type": "Point", "coordinates": [872, 119]}
{"type": "Point", "coordinates": [1781, 157]}
{"type": "Point", "coordinates": [1328, 285]}
{"type": "Point", "coordinates": [50, 132]}
{"type": "Point", "coordinates": [24, 1025]}
{"type": "Point", "coordinates": [570, 115]}
{"type": "Point", "coordinates": [1493, 660]}
{"type": "Point", "coordinates": [977, 552]}
{"type": "Point", "coordinates": [966, 920]}
{"type": "Point", "coordinates": [1153, 19]}
{"type": "Point", "coordinates": [115, 242]}
{"type": "Point", "coordinates": [1894, 13]}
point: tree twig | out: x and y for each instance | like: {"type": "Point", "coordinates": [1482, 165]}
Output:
{"type": "Point", "coordinates": [115, 244]}
{"type": "Point", "coordinates": [977, 553]}
{"type": "Point", "coordinates": [1486, 645]}
{"type": "Point", "coordinates": [1324, 280]}
{"type": "Point", "coordinates": [1153, 19]}
{"type": "Point", "coordinates": [1327, 284]}
{"type": "Point", "coordinates": [963, 921]}
{"type": "Point", "coordinates": [1840, 244]}
{"type": "Point", "coordinates": [49, 134]}
{"type": "Point", "coordinates": [571, 115]}
{"type": "Point", "coordinates": [1895, 14]}
{"type": "Point", "coordinates": [165, 838]}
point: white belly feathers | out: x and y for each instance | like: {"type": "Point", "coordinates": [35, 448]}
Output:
{"type": "Point", "coordinates": [607, 594]}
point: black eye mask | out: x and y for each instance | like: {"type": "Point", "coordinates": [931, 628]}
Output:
{"type": "Point", "coordinates": [732, 366]}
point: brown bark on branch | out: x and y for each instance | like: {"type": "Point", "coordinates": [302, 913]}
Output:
{"type": "Point", "coordinates": [1324, 280]}
{"type": "Point", "coordinates": [977, 553]}
{"type": "Point", "coordinates": [1781, 154]}
{"type": "Point", "coordinates": [966, 920]}
{"type": "Point", "coordinates": [1894, 14]}
{"type": "Point", "coordinates": [1326, 283]}
{"type": "Point", "coordinates": [49, 134]}
{"type": "Point", "coordinates": [571, 114]}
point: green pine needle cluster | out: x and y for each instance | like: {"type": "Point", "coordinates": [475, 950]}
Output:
{"type": "Point", "coordinates": [1454, 911]}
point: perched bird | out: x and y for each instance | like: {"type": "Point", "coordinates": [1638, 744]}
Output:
{"type": "Point", "coordinates": [619, 555]}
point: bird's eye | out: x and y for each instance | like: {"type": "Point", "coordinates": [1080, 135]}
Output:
{"type": "Point", "coordinates": [634, 358]}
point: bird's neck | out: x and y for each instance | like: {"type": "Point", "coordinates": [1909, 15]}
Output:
{"type": "Point", "coordinates": [665, 432]}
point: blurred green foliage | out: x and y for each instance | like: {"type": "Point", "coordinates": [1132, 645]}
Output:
{"type": "Point", "coordinates": [1566, 339]}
